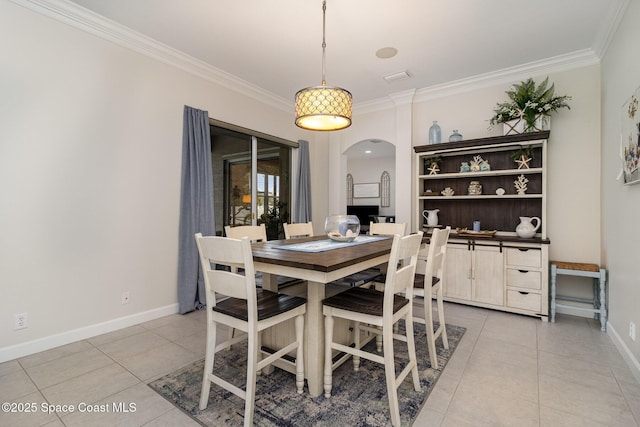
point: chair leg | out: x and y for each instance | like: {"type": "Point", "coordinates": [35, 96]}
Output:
{"type": "Point", "coordinates": [328, 363]}
{"type": "Point", "coordinates": [252, 361]}
{"type": "Point", "coordinates": [411, 346]}
{"type": "Point", "coordinates": [428, 324]}
{"type": "Point", "coordinates": [390, 374]}
{"type": "Point", "coordinates": [356, 342]}
{"type": "Point", "coordinates": [443, 334]}
{"type": "Point", "coordinates": [300, 354]}
{"type": "Point", "coordinates": [208, 365]}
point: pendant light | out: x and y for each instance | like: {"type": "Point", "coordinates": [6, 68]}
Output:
{"type": "Point", "coordinates": [323, 107]}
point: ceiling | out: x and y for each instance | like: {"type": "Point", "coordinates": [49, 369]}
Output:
{"type": "Point", "coordinates": [277, 45]}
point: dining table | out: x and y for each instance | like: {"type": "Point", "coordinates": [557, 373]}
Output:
{"type": "Point", "coordinates": [318, 262]}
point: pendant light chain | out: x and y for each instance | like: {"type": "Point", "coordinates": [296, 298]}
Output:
{"type": "Point", "coordinates": [324, 43]}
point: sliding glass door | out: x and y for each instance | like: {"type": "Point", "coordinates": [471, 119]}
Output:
{"type": "Point", "coordinates": [251, 181]}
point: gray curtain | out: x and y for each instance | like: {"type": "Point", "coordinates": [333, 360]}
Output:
{"type": "Point", "coordinates": [303, 190]}
{"type": "Point", "coordinates": [196, 206]}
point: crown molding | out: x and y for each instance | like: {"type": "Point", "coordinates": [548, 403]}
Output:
{"type": "Point", "coordinates": [554, 64]}
{"type": "Point", "coordinates": [608, 31]}
{"type": "Point", "coordinates": [78, 17]}
{"type": "Point", "coordinates": [83, 19]}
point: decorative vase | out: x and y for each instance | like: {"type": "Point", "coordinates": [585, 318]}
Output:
{"type": "Point", "coordinates": [475, 188]}
{"type": "Point", "coordinates": [519, 125]}
{"type": "Point", "coordinates": [455, 136]}
{"type": "Point", "coordinates": [435, 133]}
{"type": "Point", "coordinates": [526, 229]}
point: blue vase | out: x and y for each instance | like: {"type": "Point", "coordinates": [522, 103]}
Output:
{"type": "Point", "coordinates": [455, 136]}
{"type": "Point", "coordinates": [435, 134]}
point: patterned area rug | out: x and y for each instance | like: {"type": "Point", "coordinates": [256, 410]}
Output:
{"type": "Point", "coordinates": [357, 399]}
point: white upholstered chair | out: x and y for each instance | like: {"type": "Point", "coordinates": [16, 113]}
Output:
{"type": "Point", "coordinates": [246, 309]}
{"type": "Point", "coordinates": [302, 229]}
{"type": "Point", "coordinates": [376, 311]}
{"type": "Point", "coordinates": [428, 283]}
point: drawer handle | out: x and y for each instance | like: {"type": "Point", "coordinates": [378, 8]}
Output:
{"type": "Point", "coordinates": [523, 271]}
{"type": "Point", "coordinates": [523, 293]}
{"type": "Point", "coordinates": [523, 249]}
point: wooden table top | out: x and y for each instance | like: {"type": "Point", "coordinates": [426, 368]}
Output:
{"type": "Point", "coordinates": [325, 261]}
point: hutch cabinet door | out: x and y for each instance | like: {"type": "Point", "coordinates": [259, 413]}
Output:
{"type": "Point", "coordinates": [488, 275]}
{"type": "Point", "coordinates": [457, 272]}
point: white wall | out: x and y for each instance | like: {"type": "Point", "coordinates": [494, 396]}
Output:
{"type": "Point", "coordinates": [90, 158]}
{"type": "Point", "coordinates": [620, 203]}
{"type": "Point", "coordinates": [573, 153]}
{"type": "Point", "coordinates": [366, 169]}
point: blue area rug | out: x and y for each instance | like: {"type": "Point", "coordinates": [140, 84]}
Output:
{"type": "Point", "coordinates": [357, 399]}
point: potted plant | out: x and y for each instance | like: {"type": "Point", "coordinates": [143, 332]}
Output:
{"type": "Point", "coordinates": [529, 107]}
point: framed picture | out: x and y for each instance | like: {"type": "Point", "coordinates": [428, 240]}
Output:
{"type": "Point", "coordinates": [367, 190]}
{"type": "Point", "coordinates": [630, 139]}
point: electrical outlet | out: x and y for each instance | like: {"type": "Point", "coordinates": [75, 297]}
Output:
{"type": "Point", "coordinates": [20, 321]}
{"type": "Point", "coordinates": [125, 297]}
{"type": "Point", "coordinates": [632, 330]}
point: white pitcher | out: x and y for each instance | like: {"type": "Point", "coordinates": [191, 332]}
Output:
{"type": "Point", "coordinates": [431, 216]}
{"type": "Point", "coordinates": [525, 229]}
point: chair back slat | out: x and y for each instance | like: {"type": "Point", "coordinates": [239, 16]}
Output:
{"type": "Point", "coordinates": [388, 228]}
{"type": "Point", "coordinates": [302, 229]}
{"type": "Point", "coordinates": [255, 233]}
{"type": "Point", "coordinates": [227, 283]}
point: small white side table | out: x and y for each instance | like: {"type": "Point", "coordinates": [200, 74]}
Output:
{"type": "Point", "coordinates": [599, 276]}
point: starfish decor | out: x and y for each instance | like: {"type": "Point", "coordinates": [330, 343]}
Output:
{"type": "Point", "coordinates": [523, 162]}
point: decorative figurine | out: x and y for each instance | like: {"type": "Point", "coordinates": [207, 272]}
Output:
{"type": "Point", "coordinates": [485, 166]}
{"type": "Point", "coordinates": [523, 162]}
{"type": "Point", "coordinates": [476, 163]}
{"type": "Point", "coordinates": [433, 163]}
{"type": "Point", "coordinates": [522, 157]}
{"type": "Point", "coordinates": [475, 188]}
{"type": "Point", "coordinates": [447, 192]}
{"type": "Point", "coordinates": [433, 169]}
{"type": "Point", "coordinates": [464, 167]}
{"type": "Point", "coordinates": [521, 185]}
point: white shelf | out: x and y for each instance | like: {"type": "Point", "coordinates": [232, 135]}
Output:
{"type": "Point", "coordinates": [482, 173]}
{"type": "Point", "coordinates": [483, 196]}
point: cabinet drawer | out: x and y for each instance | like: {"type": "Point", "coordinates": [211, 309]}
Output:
{"type": "Point", "coordinates": [524, 300]}
{"type": "Point", "coordinates": [524, 279]}
{"type": "Point", "coordinates": [525, 257]}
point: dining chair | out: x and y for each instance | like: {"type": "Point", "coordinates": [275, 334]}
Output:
{"type": "Point", "coordinates": [388, 228]}
{"type": "Point", "coordinates": [376, 312]}
{"type": "Point", "coordinates": [302, 229]}
{"type": "Point", "coordinates": [373, 275]}
{"type": "Point", "coordinates": [247, 309]}
{"type": "Point", "coordinates": [429, 283]}
{"type": "Point", "coordinates": [255, 233]}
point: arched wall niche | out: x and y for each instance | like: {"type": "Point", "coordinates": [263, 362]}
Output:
{"type": "Point", "coordinates": [365, 161]}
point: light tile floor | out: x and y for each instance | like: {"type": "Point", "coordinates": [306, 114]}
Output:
{"type": "Point", "coordinates": [508, 370]}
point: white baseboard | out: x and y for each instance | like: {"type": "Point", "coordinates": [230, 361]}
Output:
{"type": "Point", "coordinates": [634, 364]}
{"type": "Point", "coordinates": [63, 338]}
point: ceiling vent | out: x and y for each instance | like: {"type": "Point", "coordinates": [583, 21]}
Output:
{"type": "Point", "coordinates": [402, 75]}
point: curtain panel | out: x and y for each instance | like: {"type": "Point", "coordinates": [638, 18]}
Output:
{"type": "Point", "coordinates": [196, 207]}
{"type": "Point", "coordinates": [302, 212]}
